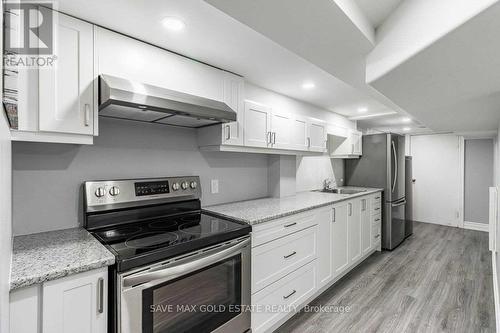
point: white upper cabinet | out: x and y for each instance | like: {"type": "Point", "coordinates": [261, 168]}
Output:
{"type": "Point", "coordinates": [234, 89]}
{"type": "Point", "coordinates": [59, 103]}
{"type": "Point", "coordinates": [317, 135]}
{"type": "Point", "coordinates": [257, 125]}
{"type": "Point", "coordinates": [281, 123]}
{"type": "Point", "coordinates": [299, 139]}
{"type": "Point", "coordinates": [66, 92]}
{"type": "Point", "coordinates": [346, 147]}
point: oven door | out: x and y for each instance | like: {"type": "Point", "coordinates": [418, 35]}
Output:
{"type": "Point", "coordinates": [204, 291]}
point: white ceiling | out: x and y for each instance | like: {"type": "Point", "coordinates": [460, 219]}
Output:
{"type": "Point", "coordinates": [393, 123]}
{"type": "Point", "coordinates": [215, 38]}
{"type": "Point", "coordinates": [377, 11]}
{"type": "Point", "coordinates": [454, 83]}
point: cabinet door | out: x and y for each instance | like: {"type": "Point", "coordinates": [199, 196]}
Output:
{"type": "Point", "coordinates": [66, 92]}
{"type": "Point", "coordinates": [257, 125]}
{"type": "Point", "coordinates": [340, 259]}
{"type": "Point", "coordinates": [356, 143]}
{"type": "Point", "coordinates": [325, 246]}
{"type": "Point", "coordinates": [234, 88]}
{"type": "Point", "coordinates": [354, 230]}
{"type": "Point", "coordinates": [317, 135]}
{"type": "Point", "coordinates": [280, 130]}
{"type": "Point", "coordinates": [366, 225]}
{"type": "Point", "coordinates": [298, 134]}
{"type": "Point", "coordinates": [76, 304]}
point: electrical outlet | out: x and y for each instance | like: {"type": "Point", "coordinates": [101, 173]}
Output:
{"type": "Point", "coordinates": [214, 186]}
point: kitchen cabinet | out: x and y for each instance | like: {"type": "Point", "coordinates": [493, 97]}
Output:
{"type": "Point", "coordinates": [317, 135]}
{"type": "Point", "coordinates": [257, 125]}
{"type": "Point", "coordinates": [299, 139]}
{"type": "Point", "coordinates": [354, 230]}
{"type": "Point", "coordinates": [325, 246]}
{"type": "Point", "coordinates": [234, 90]}
{"type": "Point", "coordinates": [350, 146]}
{"type": "Point", "coordinates": [281, 123]}
{"type": "Point", "coordinates": [73, 304]}
{"type": "Point", "coordinates": [366, 225]}
{"type": "Point", "coordinates": [59, 104]}
{"type": "Point", "coordinates": [340, 241]}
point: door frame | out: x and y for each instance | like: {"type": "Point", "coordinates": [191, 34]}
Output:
{"type": "Point", "coordinates": [462, 138]}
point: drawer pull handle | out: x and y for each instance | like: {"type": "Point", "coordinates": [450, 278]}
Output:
{"type": "Point", "coordinates": [377, 236]}
{"type": "Point", "coordinates": [377, 220]}
{"type": "Point", "coordinates": [290, 255]}
{"type": "Point", "coordinates": [100, 295]}
{"type": "Point", "coordinates": [377, 208]}
{"type": "Point", "coordinates": [290, 294]}
{"type": "Point", "coordinates": [377, 197]}
{"type": "Point", "coordinates": [290, 225]}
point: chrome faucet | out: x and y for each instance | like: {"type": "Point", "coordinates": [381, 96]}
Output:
{"type": "Point", "coordinates": [329, 183]}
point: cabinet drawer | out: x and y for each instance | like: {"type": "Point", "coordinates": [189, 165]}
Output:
{"type": "Point", "coordinates": [376, 207]}
{"type": "Point", "coordinates": [376, 232]}
{"type": "Point", "coordinates": [269, 231]}
{"type": "Point", "coordinates": [377, 219]}
{"type": "Point", "coordinates": [291, 291]}
{"type": "Point", "coordinates": [274, 260]}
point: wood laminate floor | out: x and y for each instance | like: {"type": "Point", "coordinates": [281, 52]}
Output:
{"type": "Point", "coordinates": [438, 280]}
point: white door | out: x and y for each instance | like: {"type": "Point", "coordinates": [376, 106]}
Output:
{"type": "Point", "coordinates": [76, 304]}
{"type": "Point", "coordinates": [340, 243]}
{"type": "Point", "coordinates": [436, 170]}
{"type": "Point", "coordinates": [298, 134]}
{"type": "Point", "coordinates": [233, 96]}
{"type": "Point", "coordinates": [66, 92]}
{"type": "Point", "coordinates": [354, 230]}
{"type": "Point", "coordinates": [257, 125]}
{"type": "Point", "coordinates": [325, 246]}
{"type": "Point", "coordinates": [281, 122]}
{"type": "Point", "coordinates": [317, 135]}
{"type": "Point", "coordinates": [366, 225]}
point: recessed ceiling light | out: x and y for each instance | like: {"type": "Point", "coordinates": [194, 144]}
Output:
{"type": "Point", "coordinates": [308, 85]}
{"type": "Point", "coordinates": [406, 129]}
{"type": "Point", "coordinates": [173, 23]}
{"type": "Point", "coordinates": [406, 120]}
{"type": "Point", "coordinates": [363, 109]}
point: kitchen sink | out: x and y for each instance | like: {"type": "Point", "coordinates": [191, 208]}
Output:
{"type": "Point", "coordinates": [342, 191]}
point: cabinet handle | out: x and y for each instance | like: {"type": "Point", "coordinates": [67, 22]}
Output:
{"type": "Point", "coordinates": [377, 208]}
{"type": "Point", "coordinates": [274, 138]}
{"type": "Point", "coordinates": [290, 294]}
{"type": "Point", "coordinates": [377, 236]}
{"type": "Point", "coordinates": [228, 137]}
{"type": "Point", "coordinates": [377, 220]}
{"type": "Point", "coordinates": [290, 225]}
{"type": "Point", "coordinates": [100, 295]}
{"type": "Point", "coordinates": [350, 209]}
{"type": "Point", "coordinates": [290, 255]}
{"type": "Point", "coordinates": [87, 115]}
{"type": "Point", "coordinates": [352, 148]}
{"type": "Point", "coordinates": [334, 215]}
{"type": "Point", "coordinates": [268, 137]}
{"type": "Point", "coordinates": [308, 142]}
{"type": "Point", "coordinates": [377, 197]}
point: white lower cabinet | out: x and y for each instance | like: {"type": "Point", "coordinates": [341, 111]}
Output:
{"type": "Point", "coordinates": [73, 304]}
{"type": "Point", "coordinates": [295, 258]}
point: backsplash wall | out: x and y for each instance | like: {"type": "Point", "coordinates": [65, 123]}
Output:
{"type": "Point", "coordinates": [313, 170]}
{"type": "Point", "coordinates": [47, 178]}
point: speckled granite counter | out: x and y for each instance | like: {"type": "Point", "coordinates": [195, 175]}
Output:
{"type": "Point", "coordinates": [51, 255]}
{"type": "Point", "coordinates": [266, 209]}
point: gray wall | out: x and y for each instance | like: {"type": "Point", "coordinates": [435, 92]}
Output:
{"type": "Point", "coordinates": [47, 177]}
{"type": "Point", "coordinates": [479, 161]}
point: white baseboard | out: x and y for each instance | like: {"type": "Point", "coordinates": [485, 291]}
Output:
{"type": "Point", "coordinates": [496, 296]}
{"type": "Point", "coordinates": [477, 226]}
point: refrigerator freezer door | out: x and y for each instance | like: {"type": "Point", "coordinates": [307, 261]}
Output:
{"type": "Point", "coordinates": [394, 225]}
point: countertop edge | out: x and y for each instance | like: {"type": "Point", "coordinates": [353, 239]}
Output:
{"type": "Point", "coordinates": [292, 212]}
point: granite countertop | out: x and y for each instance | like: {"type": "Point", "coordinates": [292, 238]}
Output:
{"type": "Point", "coordinates": [266, 209]}
{"type": "Point", "coordinates": [51, 255]}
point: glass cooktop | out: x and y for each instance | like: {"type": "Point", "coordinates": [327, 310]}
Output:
{"type": "Point", "coordinates": [140, 243]}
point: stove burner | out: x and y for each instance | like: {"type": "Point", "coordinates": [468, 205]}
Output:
{"type": "Point", "coordinates": [151, 239]}
{"type": "Point", "coordinates": [194, 228]}
{"type": "Point", "coordinates": [117, 233]}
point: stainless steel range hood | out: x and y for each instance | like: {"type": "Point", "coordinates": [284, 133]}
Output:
{"type": "Point", "coordinates": [121, 98]}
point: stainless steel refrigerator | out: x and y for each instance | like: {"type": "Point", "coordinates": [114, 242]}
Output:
{"type": "Point", "coordinates": [382, 165]}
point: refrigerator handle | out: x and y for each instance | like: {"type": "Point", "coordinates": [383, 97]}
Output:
{"type": "Point", "coordinates": [395, 166]}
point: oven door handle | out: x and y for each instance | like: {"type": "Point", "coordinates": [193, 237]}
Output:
{"type": "Point", "coordinates": [171, 272]}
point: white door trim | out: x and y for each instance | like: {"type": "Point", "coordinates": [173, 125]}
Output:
{"type": "Point", "coordinates": [461, 204]}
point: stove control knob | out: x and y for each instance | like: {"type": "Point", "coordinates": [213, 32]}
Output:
{"type": "Point", "coordinates": [193, 185]}
{"type": "Point", "coordinates": [114, 191]}
{"type": "Point", "coordinates": [100, 192]}
{"type": "Point", "coordinates": [184, 185]}
{"type": "Point", "coordinates": [175, 186]}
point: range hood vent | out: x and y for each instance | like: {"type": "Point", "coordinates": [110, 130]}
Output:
{"type": "Point", "coordinates": [122, 98]}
